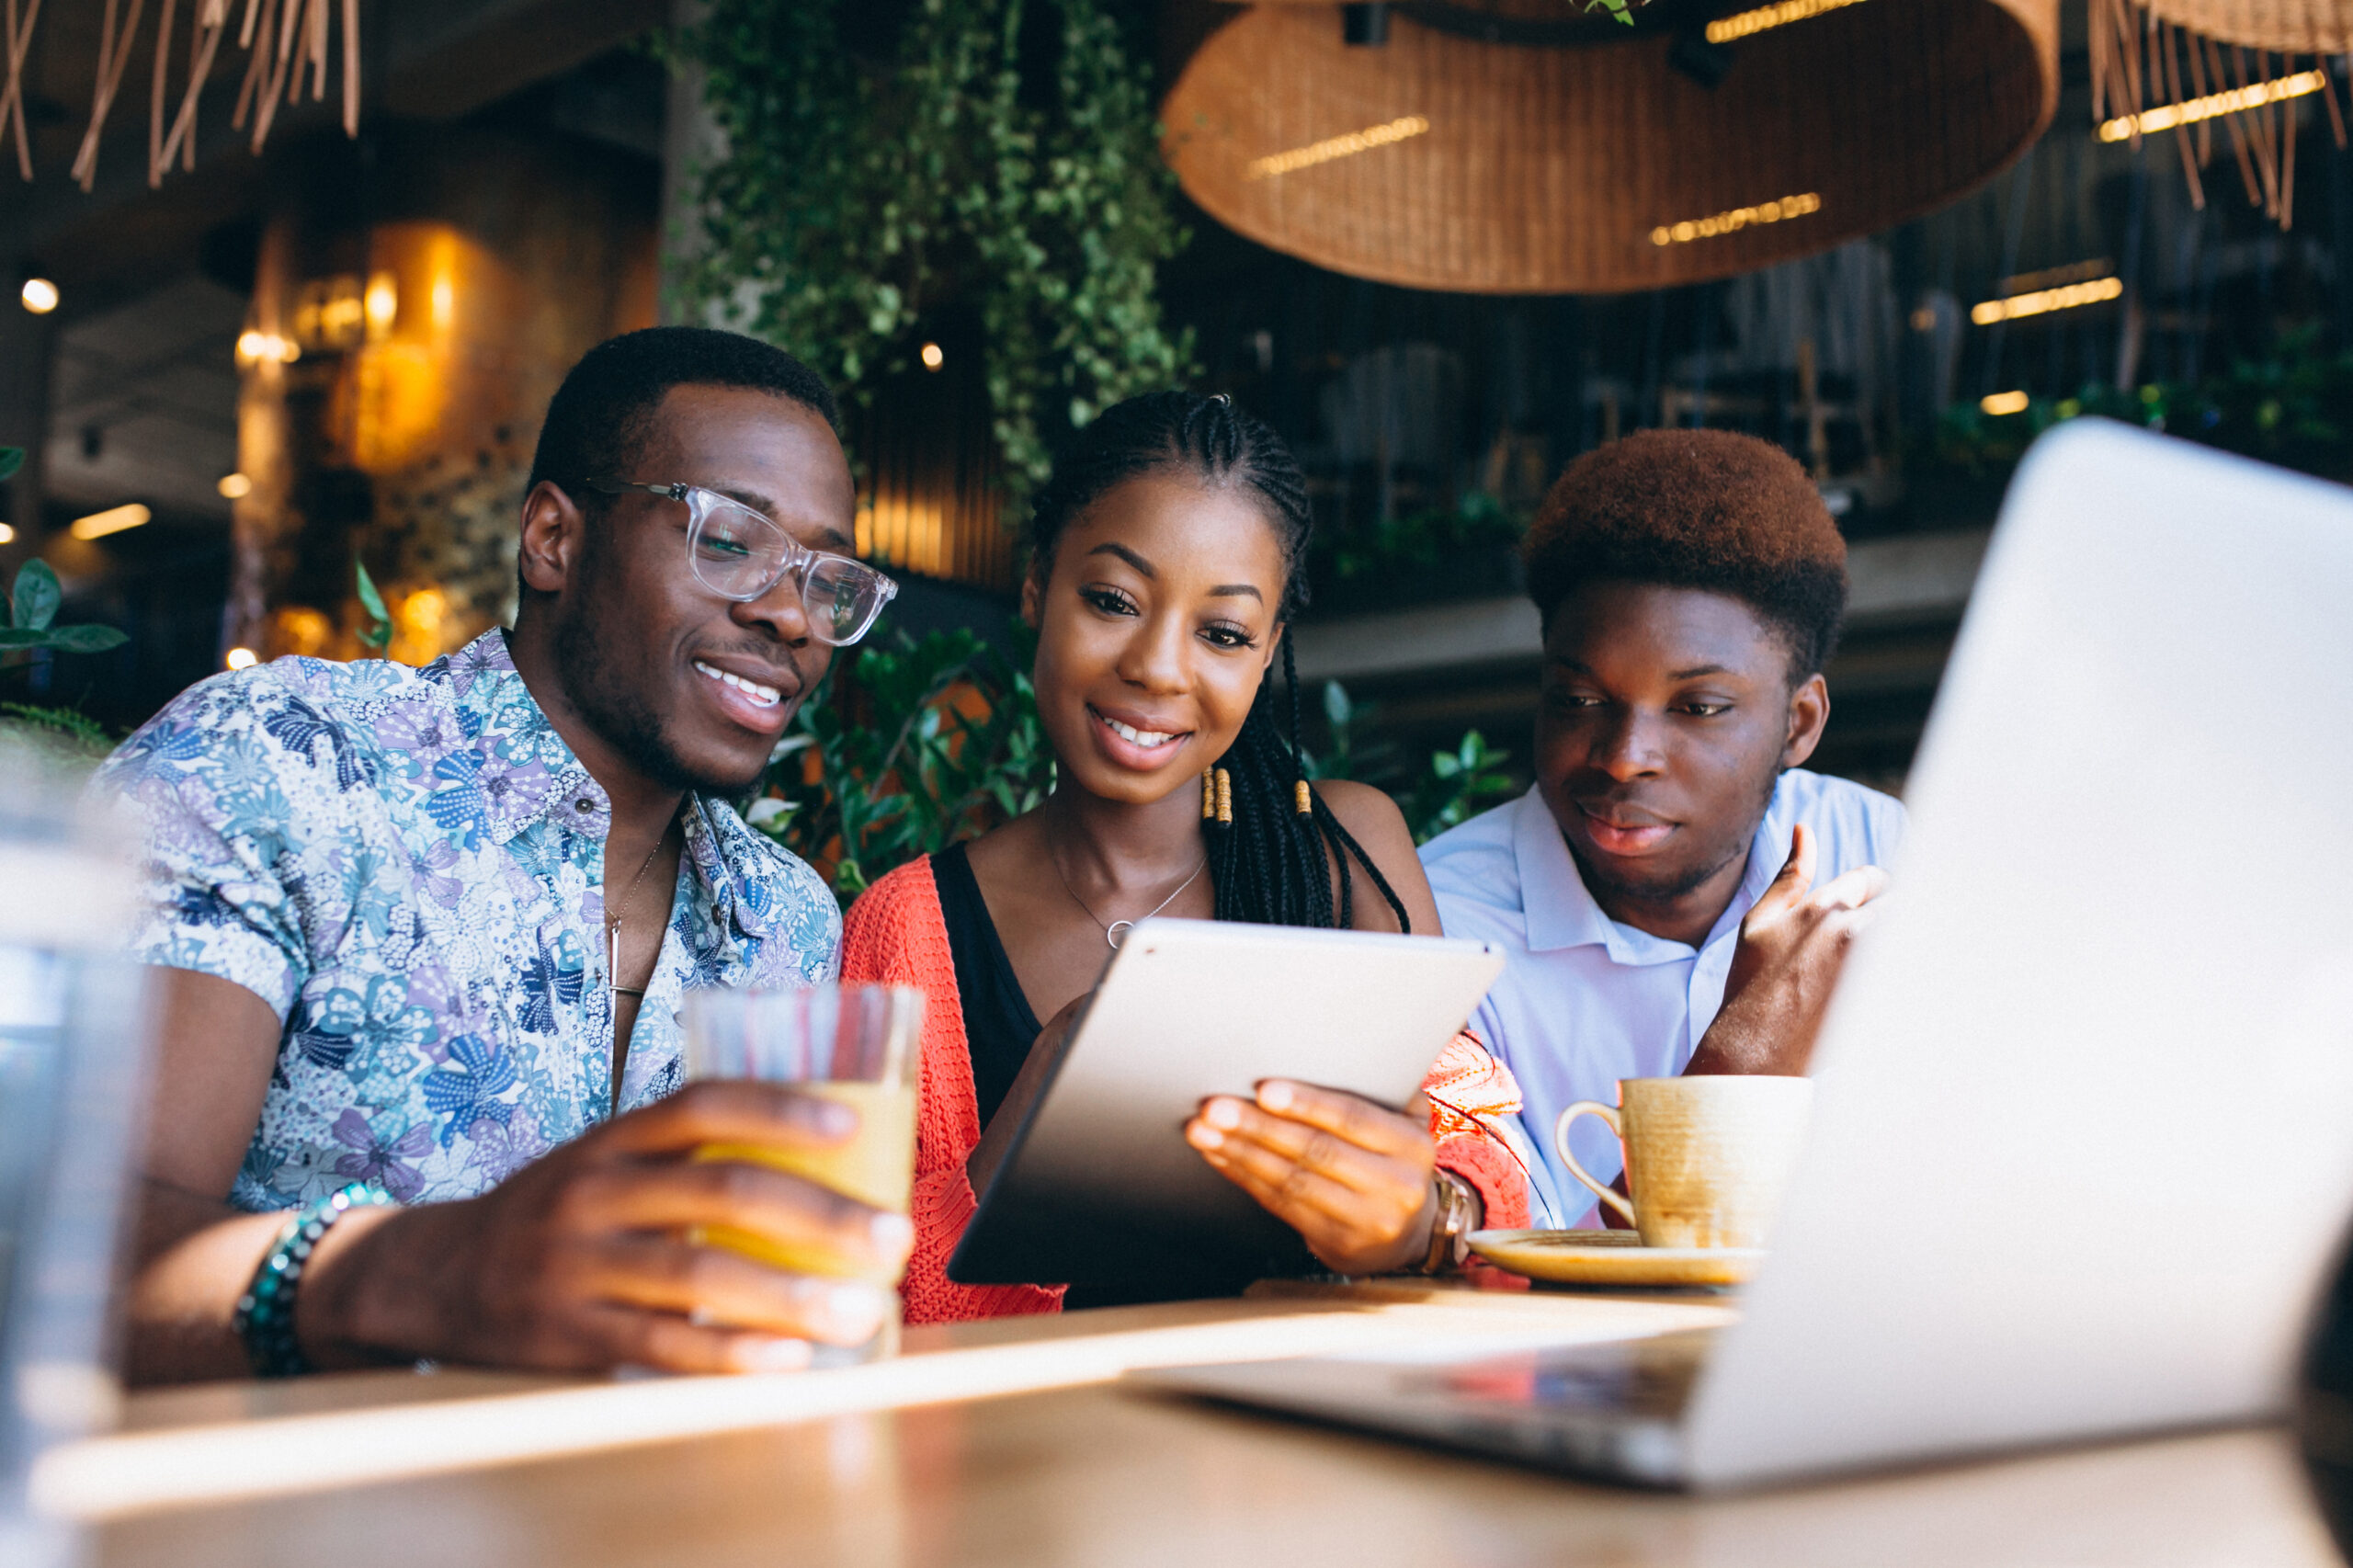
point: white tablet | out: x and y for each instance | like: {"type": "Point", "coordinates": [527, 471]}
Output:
{"type": "Point", "coordinates": [1084, 1175]}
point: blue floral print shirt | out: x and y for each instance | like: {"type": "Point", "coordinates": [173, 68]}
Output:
{"type": "Point", "coordinates": [407, 865]}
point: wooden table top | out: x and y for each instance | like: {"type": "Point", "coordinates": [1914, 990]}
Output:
{"type": "Point", "coordinates": [1006, 1443]}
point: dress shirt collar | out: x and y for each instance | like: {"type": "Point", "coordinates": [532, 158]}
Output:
{"type": "Point", "coordinates": [1561, 912]}
{"type": "Point", "coordinates": [528, 774]}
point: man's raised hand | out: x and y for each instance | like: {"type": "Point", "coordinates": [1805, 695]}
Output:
{"type": "Point", "coordinates": [1792, 945]}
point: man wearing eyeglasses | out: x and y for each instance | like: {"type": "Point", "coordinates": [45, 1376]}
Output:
{"type": "Point", "coordinates": [421, 935]}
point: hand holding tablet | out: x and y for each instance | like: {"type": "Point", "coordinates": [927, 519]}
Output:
{"type": "Point", "coordinates": [1086, 1175]}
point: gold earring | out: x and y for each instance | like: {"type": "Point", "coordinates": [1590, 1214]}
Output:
{"type": "Point", "coordinates": [1225, 796]}
{"type": "Point", "coordinates": [1208, 793]}
{"type": "Point", "coordinates": [1299, 795]}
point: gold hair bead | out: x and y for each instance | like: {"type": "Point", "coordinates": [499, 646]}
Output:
{"type": "Point", "coordinates": [1306, 803]}
{"type": "Point", "coordinates": [1209, 794]}
{"type": "Point", "coordinates": [1225, 796]}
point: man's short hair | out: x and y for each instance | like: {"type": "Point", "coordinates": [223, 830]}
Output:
{"type": "Point", "coordinates": [1707, 510]}
{"type": "Point", "coordinates": [600, 416]}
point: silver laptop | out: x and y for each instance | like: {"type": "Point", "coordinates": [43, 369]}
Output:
{"type": "Point", "coordinates": [2083, 1145]}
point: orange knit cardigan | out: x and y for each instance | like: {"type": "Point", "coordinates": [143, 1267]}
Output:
{"type": "Point", "coordinates": [895, 934]}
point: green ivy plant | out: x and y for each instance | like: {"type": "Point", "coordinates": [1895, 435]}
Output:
{"type": "Point", "coordinates": [1454, 786]}
{"type": "Point", "coordinates": [378, 633]}
{"type": "Point", "coordinates": [62, 731]}
{"type": "Point", "coordinates": [1411, 545]}
{"type": "Point", "coordinates": [29, 623]}
{"type": "Point", "coordinates": [2291, 405]}
{"type": "Point", "coordinates": [924, 743]}
{"type": "Point", "coordinates": [1459, 785]}
{"type": "Point", "coordinates": [956, 162]}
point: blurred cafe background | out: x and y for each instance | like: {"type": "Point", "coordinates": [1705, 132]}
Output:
{"type": "Point", "coordinates": [262, 337]}
{"type": "Point", "coordinates": [286, 284]}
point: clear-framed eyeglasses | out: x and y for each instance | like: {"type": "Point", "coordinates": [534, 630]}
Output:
{"type": "Point", "coordinates": [740, 554]}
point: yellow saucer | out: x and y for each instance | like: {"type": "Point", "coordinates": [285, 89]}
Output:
{"type": "Point", "coordinates": [1612, 1258]}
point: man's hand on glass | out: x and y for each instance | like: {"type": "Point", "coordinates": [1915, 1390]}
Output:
{"type": "Point", "coordinates": [581, 1261]}
{"type": "Point", "coordinates": [578, 1262]}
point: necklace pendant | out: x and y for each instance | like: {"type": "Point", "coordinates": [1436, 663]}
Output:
{"type": "Point", "coordinates": [1111, 932]}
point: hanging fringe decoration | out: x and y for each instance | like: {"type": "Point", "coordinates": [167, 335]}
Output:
{"type": "Point", "coordinates": [286, 39]}
{"type": "Point", "coordinates": [210, 21]}
{"type": "Point", "coordinates": [114, 54]}
{"type": "Point", "coordinates": [19, 43]}
{"type": "Point", "coordinates": [2182, 66]}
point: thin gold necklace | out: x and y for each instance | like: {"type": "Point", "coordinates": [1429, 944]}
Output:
{"type": "Point", "coordinates": [613, 917]}
{"type": "Point", "coordinates": [1111, 932]}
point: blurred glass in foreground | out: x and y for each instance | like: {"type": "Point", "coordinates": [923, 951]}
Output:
{"type": "Point", "coordinates": [72, 1030]}
{"type": "Point", "coordinates": [858, 1045]}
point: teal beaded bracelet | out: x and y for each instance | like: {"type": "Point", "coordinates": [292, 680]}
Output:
{"type": "Point", "coordinates": [264, 1318]}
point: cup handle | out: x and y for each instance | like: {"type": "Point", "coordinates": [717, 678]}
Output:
{"type": "Point", "coordinates": [1561, 1144]}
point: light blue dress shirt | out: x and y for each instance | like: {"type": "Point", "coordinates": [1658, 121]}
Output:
{"type": "Point", "coordinates": [1585, 1001]}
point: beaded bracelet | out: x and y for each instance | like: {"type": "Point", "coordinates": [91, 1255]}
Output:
{"type": "Point", "coordinates": [265, 1317]}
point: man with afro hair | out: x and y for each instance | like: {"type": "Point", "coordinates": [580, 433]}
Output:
{"type": "Point", "coordinates": [1676, 891]}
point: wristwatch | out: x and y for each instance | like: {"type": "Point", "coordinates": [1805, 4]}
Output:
{"type": "Point", "coordinates": [1450, 1227]}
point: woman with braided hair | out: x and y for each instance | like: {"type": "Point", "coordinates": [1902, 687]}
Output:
{"type": "Point", "coordinates": [1165, 567]}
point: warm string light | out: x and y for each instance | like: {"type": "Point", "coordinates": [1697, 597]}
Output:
{"type": "Point", "coordinates": [113, 520]}
{"type": "Point", "coordinates": [381, 304]}
{"type": "Point", "coordinates": [2149, 74]}
{"type": "Point", "coordinates": [933, 357]}
{"type": "Point", "coordinates": [2254, 96]}
{"type": "Point", "coordinates": [252, 347]}
{"type": "Point", "coordinates": [7, 534]}
{"type": "Point", "coordinates": [1346, 146]}
{"type": "Point", "coordinates": [38, 295]}
{"type": "Point", "coordinates": [1736, 219]}
{"type": "Point", "coordinates": [2000, 404]}
{"type": "Point", "coordinates": [1725, 30]}
{"type": "Point", "coordinates": [242, 659]}
{"type": "Point", "coordinates": [235, 486]}
{"type": "Point", "coordinates": [2041, 301]}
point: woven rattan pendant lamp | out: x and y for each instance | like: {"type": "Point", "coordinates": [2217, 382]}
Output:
{"type": "Point", "coordinates": [2182, 66]}
{"type": "Point", "coordinates": [1485, 147]}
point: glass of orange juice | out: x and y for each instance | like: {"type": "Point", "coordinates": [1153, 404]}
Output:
{"type": "Point", "coordinates": [859, 1045]}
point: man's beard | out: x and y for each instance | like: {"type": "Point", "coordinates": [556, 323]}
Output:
{"type": "Point", "coordinates": [1654, 890]}
{"type": "Point", "coordinates": [1668, 888]}
{"type": "Point", "coordinates": [628, 722]}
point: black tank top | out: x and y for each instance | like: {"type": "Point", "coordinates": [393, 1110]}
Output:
{"type": "Point", "coordinates": [999, 1024]}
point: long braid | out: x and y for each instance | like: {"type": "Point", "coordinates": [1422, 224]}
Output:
{"type": "Point", "coordinates": [1271, 864]}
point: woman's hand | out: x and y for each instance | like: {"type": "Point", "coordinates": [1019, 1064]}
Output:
{"type": "Point", "coordinates": [1352, 1178]}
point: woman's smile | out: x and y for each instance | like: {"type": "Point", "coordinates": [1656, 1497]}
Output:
{"type": "Point", "coordinates": [1127, 743]}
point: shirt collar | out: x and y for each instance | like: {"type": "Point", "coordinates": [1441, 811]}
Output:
{"type": "Point", "coordinates": [524, 768]}
{"type": "Point", "coordinates": [529, 774]}
{"type": "Point", "coordinates": [728, 863]}
{"type": "Point", "coordinates": [1560, 912]}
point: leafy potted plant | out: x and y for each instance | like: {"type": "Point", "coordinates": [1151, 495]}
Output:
{"type": "Point", "coordinates": [29, 625]}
